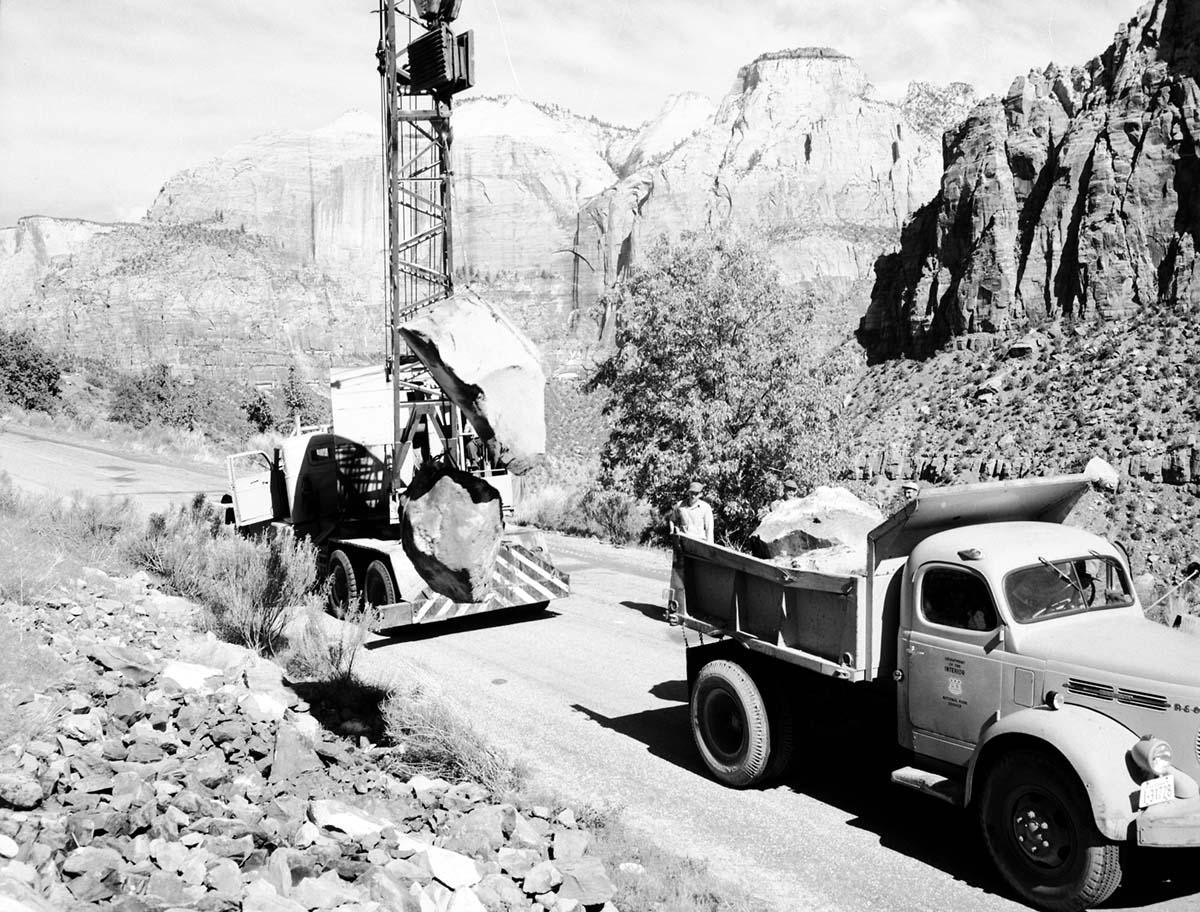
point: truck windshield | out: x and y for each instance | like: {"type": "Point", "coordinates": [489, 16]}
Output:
{"type": "Point", "coordinates": [1071, 586]}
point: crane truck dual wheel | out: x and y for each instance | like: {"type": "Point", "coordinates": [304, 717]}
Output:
{"type": "Point", "coordinates": [1039, 829]}
{"type": "Point", "coordinates": [344, 589]}
{"type": "Point", "coordinates": [742, 740]}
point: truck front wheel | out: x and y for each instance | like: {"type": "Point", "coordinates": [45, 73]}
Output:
{"type": "Point", "coordinates": [730, 724]}
{"type": "Point", "coordinates": [341, 587]}
{"type": "Point", "coordinates": [1039, 829]}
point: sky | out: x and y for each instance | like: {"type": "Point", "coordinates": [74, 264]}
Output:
{"type": "Point", "coordinates": [101, 101]}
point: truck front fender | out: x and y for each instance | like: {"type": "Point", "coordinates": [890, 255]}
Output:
{"type": "Point", "coordinates": [1093, 745]}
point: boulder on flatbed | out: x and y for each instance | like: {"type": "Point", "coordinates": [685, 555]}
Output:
{"type": "Point", "coordinates": [451, 530]}
{"type": "Point", "coordinates": [825, 531]}
{"type": "Point", "coordinates": [490, 369]}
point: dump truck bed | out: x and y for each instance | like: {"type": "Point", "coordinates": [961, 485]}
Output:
{"type": "Point", "coordinates": [822, 622]}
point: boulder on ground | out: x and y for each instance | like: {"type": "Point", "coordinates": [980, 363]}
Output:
{"type": "Point", "coordinates": [830, 520]}
{"type": "Point", "coordinates": [451, 529]}
{"type": "Point", "coordinates": [490, 369]}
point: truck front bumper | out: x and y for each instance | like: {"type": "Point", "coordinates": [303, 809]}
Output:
{"type": "Point", "coordinates": [1170, 824]}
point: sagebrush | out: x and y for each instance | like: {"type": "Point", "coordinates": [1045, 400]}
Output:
{"type": "Point", "coordinates": [246, 584]}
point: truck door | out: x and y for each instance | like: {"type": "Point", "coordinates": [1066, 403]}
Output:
{"type": "Point", "coordinates": [250, 487]}
{"type": "Point", "coordinates": [953, 671]}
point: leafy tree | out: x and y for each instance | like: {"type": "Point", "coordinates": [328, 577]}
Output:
{"type": "Point", "coordinates": [28, 375]}
{"type": "Point", "coordinates": [259, 411]}
{"type": "Point", "coordinates": [713, 378]}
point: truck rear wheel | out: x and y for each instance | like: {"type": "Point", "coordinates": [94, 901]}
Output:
{"type": "Point", "coordinates": [1039, 829]}
{"type": "Point", "coordinates": [730, 724]}
{"type": "Point", "coordinates": [341, 586]}
{"type": "Point", "coordinates": [378, 588]}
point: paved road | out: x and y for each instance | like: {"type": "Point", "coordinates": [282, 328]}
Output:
{"type": "Point", "coordinates": [51, 463]}
{"type": "Point", "coordinates": [590, 696]}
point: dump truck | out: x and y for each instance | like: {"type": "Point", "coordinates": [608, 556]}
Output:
{"type": "Point", "coordinates": [1009, 651]}
{"type": "Point", "coordinates": [405, 496]}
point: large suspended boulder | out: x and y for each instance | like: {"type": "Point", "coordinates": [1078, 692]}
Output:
{"type": "Point", "coordinates": [486, 365]}
{"type": "Point", "coordinates": [831, 521]}
{"type": "Point", "coordinates": [451, 529]}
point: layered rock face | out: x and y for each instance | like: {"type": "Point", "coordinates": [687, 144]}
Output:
{"type": "Point", "coordinates": [272, 254]}
{"type": "Point", "coordinates": [1077, 195]}
{"type": "Point", "coordinates": [799, 151]}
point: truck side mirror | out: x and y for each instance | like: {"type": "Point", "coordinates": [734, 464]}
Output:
{"type": "Point", "coordinates": [997, 641]}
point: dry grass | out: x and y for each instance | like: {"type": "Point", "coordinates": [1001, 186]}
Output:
{"type": "Point", "coordinates": [437, 740]}
{"type": "Point", "coordinates": [27, 668]}
{"type": "Point", "coordinates": [45, 541]}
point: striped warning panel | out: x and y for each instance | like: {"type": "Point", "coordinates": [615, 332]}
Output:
{"type": "Point", "coordinates": [521, 578]}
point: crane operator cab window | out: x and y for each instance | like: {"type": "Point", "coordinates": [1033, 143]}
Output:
{"type": "Point", "coordinates": [956, 598]}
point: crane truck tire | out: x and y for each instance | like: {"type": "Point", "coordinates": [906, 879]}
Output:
{"type": "Point", "coordinates": [378, 588]}
{"type": "Point", "coordinates": [730, 724]}
{"type": "Point", "coordinates": [781, 719]}
{"type": "Point", "coordinates": [1039, 829]}
{"type": "Point", "coordinates": [341, 586]}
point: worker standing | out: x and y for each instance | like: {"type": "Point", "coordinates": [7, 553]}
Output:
{"type": "Point", "coordinates": [692, 517]}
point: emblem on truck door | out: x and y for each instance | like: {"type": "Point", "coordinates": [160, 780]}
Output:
{"type": "Point", "coordinates": [955, 686]}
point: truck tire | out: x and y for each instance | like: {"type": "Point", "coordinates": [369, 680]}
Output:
{"type": "Point", "coordinates": [730, 724]}
{"type": "Point", "coordinates": [341, 586]}
{"type": "Point", "coordinates": [1040, 832]}
{"type": "Point", "coordinates": [378, 588]}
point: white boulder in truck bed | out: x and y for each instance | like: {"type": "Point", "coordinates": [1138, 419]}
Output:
{"type": "Point", "coordinates": [490, 369]}
{"type": "Point", "coordinates": [824, 532]}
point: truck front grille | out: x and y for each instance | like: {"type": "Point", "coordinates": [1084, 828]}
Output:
{"type": "Point", "coordinates": [1144, 700]}
{"type": "Point", "coordinates": [1091, 689]}
{"type": "Point", "coordinates": [1108, 692]}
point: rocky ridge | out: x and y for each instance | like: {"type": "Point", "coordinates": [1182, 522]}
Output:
{"type": "Point", "coordinates": [1075, 196]}
{"type": "Point", "coordinates": [550, 207]}
{"type": "Point", "coordinates": [182, 772]}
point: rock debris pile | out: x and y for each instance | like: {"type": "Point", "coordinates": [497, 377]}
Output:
{"type": "Point", "coordinates": [182, 773]}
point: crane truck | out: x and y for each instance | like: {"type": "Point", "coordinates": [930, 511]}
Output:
{"type": "Point", "coordinates": [344, 487]}
{"type": "Point", "coordinates": [1007, 651]}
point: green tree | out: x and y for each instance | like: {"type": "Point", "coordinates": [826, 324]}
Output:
{"type": "Point", "coordinates": [28, 375]}
{"type": "Point", "coordinates": [259, 411]}
{"type": "Point", "coordinates": [713, 377]}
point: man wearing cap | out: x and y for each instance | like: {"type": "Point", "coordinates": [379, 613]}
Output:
{"type": "Point", "coordinates": [694, 518]}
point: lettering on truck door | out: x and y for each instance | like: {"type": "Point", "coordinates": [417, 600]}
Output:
{"type": "Point", "coordinates": [953, 674]}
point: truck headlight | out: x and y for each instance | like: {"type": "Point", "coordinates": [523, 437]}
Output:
{"type": "Point", "coordinates": [1152, 755]}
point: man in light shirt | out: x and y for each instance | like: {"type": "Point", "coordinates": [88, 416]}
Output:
{"type": "Point", "coordinates": [694, 518]}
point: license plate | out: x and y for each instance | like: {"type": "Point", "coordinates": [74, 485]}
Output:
{"type": "Point", "coordinates": [1156, 791]}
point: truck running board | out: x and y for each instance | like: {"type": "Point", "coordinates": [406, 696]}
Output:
{"type": "Point", "coordinates": [932, 784]}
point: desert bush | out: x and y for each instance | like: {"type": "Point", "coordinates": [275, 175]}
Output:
{"type": "Point", "coordinates": [615, 515]}
{"type": "Point", "coordinates": [29, 376]}
{"type": "Point", "coordinates": [45, 540]}
{"type": "Point", "coordinates": [247, 585]}
{"type": "Point", "coordinates": [325, 650]}
{"type": "Point", "coordinates": [154, 396]}
{"type": "Point", "coordinates": [437, 740]}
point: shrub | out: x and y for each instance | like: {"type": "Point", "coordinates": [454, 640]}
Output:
{"type": "Point", "coordinates": [155, 395]}
{"type": "Point", "coordinates": [615, 515]}
{"type": "Point", "coordinates": [29, 377]}
{"type": "Point", "coordinates": [247, 585]}
{"type": "Point", "coordinates": [437, 741]}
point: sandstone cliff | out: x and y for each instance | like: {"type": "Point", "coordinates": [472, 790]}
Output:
{"type": "Point", "coordinates": [288, 228]}
{"type": "Point", "coordinates": [800, 151]}
{"type": "Point", "coordinates": [1075, 196]}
